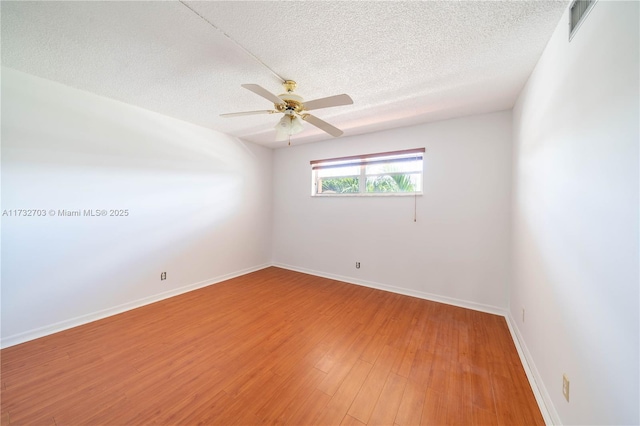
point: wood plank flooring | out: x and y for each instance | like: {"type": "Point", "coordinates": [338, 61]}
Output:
{"type": "Point", "coordinates": [274, 347]}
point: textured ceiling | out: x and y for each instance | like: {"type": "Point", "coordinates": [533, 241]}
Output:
{"type": "Point", "coordinates": [402, 63]}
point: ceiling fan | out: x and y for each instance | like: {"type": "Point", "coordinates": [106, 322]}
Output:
{"type": "Point", "coordinates": [295, 110]}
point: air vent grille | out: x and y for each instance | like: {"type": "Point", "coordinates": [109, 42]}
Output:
{"type": "Point", "coordinates": [577, 13]}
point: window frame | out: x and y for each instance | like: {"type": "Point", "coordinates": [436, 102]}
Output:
{"type": "Point", "coordinates": [362, 161]}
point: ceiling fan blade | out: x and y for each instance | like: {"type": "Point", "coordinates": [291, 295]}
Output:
{"type": "Point", "coordinates": [238, 114]}
{"type": "Point", "coordinates": [330, 101]}
{"type": "Point", "coordinates": [259, 90]}
{"type": "Point", "coordinates": [322, 125]}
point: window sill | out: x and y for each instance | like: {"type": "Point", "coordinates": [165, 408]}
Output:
{"type": "Point", "coordinates": [383, 194]}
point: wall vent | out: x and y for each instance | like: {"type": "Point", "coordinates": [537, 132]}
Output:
{"type": "Point", "coordinates": [578, 12]}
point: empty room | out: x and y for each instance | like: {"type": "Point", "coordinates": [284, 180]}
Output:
{"type": "Point", "coordinates": [320, 212]}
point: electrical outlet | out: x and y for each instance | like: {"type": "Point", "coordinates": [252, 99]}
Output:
{"type": "Point", "coordinates": [523, 314]}
{"type": "Point", "coordinates": [163, 276]}
{"type": "Point", "coordinates": [357, 265]}
{"type": "Point", "coordinates": [565, 387]}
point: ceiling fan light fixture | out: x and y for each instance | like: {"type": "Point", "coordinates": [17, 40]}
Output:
{"type": "Point", "coordinates": [296, 125]}
{"type": "Point", "coordinates": [289, 124]}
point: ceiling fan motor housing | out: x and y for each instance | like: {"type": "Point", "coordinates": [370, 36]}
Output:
{"type": "Point", "coordinates": [291, 103]}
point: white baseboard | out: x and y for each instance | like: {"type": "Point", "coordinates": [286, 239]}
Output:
{"type": "Point", "coordinates": [407, 292]}
{"type": "Point", "coordinates": [543, 399]}
{"type": "Point", "coordinates": [16, 339]}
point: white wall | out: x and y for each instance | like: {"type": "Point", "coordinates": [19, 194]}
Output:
{"type": "Point", "coordinates": [575, 213]}
{"type": "Point", "coordinates": [199, 206]}
{"type": "Point", "coordinates": [458, 249]}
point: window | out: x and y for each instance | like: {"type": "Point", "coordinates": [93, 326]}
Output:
{"type": "Point", "coordinates": [385, 173]}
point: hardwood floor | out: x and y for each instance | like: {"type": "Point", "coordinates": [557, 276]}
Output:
{"type": "Point", "coordinates": [274, 347]}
